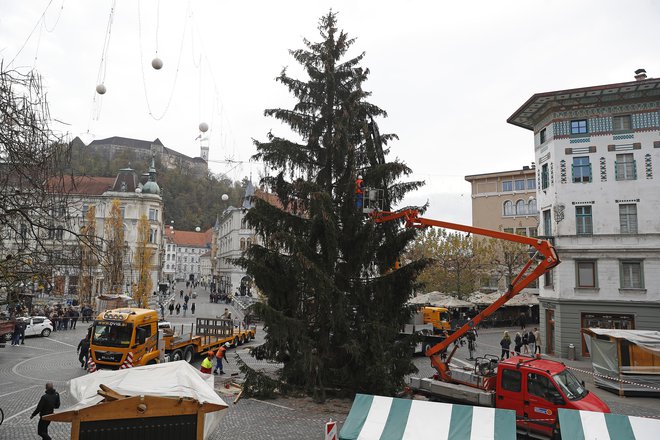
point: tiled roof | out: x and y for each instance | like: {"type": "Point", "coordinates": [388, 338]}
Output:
{"type": "Point", "coordinates": [83, 185]}
{"type": "Point", "coordinates": [126, 142]}
{"type": "Point", "coordinates": [189, 238]}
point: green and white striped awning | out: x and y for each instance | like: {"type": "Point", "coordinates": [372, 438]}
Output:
{"type": "Point", "coordinates": [387, 418]}
{"type": "Point", "coordinates": [587, 425]}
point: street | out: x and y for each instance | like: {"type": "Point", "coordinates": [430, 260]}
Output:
{"type": "Point", "coordinates": [25, 369]}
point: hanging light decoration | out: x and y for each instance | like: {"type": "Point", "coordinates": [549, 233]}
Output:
{"type": "Point", "coordinates": [203, 127]}
{"type": "Point", "coordinates": [197, 229]}
{"type": "Point", "coordinates": [224, 197]}
{"type": "Point", "coordinates": [100, 89]}
{"type": "Point", "coordinates": [157, 63]}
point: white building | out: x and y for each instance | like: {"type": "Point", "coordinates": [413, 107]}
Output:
{"type": "Point", "coordinates": [183, 253]}
{"type": "Point", "coordinates": [597, 152]}
{"type": "Point", "coordinates": [234, 236]}
{"type": "Point", "coordinates": [205, 265]}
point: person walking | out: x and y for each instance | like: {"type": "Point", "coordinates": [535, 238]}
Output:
{"type": "Point", "coordinates": [523, 320]}
{"type": "Point", "coordinates": [219, 356]}
{"type": "Point", "coordinates": [49, 401]}
{"type": "Point", "coordinates": [186, 299]}
{"type": "Point", "coordinates": [505, 343]}
{"type": "Point", "coordinates": [192, 308]}
{"type": "Point", "coordinates": [185, 308]}
{"type": "Point", "coordinates": [537, 339]}
{"type": "Point", "coordinates": [21, 329]}
{"type": "Point", "coordinates": [178, 308]}
{"type": "Point", "coordinates": [517, 343]}
{"type": "Point", "coordinates": [181, 292]}
{"type": "Point", "coordinates": [83, 351]}
{"type": "Point", "coordinates": [207, 363]}
{"type": "Point", "coordinates": [74, 318]}
{"type": "Point", "coordinates": [16, 334]}
{"type": "Point", "coordinates": [171, 308]}
{"type": "Point", "coordinates": [525, 343]}
{"type": "Point", "coordinates": [531, 337]}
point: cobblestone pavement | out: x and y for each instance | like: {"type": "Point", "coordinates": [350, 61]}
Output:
{"type": "Point", "coordinates": [25, 369]}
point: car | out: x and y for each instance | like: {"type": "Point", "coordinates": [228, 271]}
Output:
{"type": "Point", "coordinates": [37, 326]}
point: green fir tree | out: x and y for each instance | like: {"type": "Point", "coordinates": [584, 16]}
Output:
{"type": "Point", "coordinates": [334, 304]}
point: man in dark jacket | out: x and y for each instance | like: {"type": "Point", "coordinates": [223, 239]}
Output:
{"type": "Point", "coordinates": [47, 404]}
{"type": "Point", "coordinates": [83, 350]}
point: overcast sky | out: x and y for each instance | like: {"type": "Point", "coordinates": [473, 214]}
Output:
{"type": "Point", "coordinates": [448, 73]}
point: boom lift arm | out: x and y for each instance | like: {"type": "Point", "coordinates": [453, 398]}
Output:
{"type": "Point", "coordinates": [545, 258]}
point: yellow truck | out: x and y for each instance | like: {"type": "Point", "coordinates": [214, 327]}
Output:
{"type": "Point", "coordinates": [438, 316]}
{"type": "Point", "coordinates": [128, 337]}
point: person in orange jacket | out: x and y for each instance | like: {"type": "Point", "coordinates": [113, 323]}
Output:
{"type": "Point", "coordinates": [207, 363]}
{"type": "Point", "coordinates": [219, 356]}
{"type": "Point", "coordinates": [359, 191]}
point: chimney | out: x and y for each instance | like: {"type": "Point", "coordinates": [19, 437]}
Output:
{"type": "Point", "coordinates": [640, 74]}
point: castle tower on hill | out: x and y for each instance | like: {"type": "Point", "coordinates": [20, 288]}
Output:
{"type": "Point", "coordinates": [204, 149]}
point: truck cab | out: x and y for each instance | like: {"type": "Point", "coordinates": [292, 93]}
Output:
{"type": "Point", "coordinates": [536, 388]}
{"type": "Point", "coordinates": [438, 316]}
{"type": "Point", "coordinates": [126, 336]}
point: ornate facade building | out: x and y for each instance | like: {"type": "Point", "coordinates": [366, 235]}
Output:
{"type": "Point", "coordinates": [597, 152]}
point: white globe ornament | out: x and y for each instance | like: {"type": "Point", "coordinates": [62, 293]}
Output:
{"type": "Point", "coordinates": [224, 197]}
{"type": "Point", "coordinates": [100, 89]}
{"type": "Point", "coordinates": [203, 127]}
{"type": "Point", "coordinates": [157, 63]}
{"type": "Point", "coordinates": [197, 229]}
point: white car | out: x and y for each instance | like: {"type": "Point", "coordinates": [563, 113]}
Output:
{"type": "Point", "coordinates": [38, 326]}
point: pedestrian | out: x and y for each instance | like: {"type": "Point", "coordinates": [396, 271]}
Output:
{"type": "Point", "coordinates": [22, 328]}
{"type": "Point", "coordinates": [226, 315]}
{"type": "Point", "coordinates": [185, 308]}
{"type": "Point", "coordinates": [505, 343]}
{"type": "Point", "coordinates": [186, 299]}
{"type": "Point", "coordinates": [192, 308]}
{"type": "Point", "coordinates": [181, 294]}
{"type": "Point", "coordinates": [523, 321]}
{"type": "Point", "coordinates": [525, 343]}
{"type": "Point", "coordinates": [178, 308]}
{"type": "Point", "coordinates": [53, 319]}
{"type": "Point", "coordinates": [517, 343]}
{"type": "Point", "coordinates": [83, 350]}
{"type": "Point", "coordinates": [171, 308]}
{"type": "Point", "coordinates": [531, 337]}
{"type": "Point", "coordinates": [16, 334]}
{"type": "Point", "coordinates": [74, 319]}
{"type": "Point", "coordinates": [49, 401]}
{"type": "Point", "coordinates": [219, 356]}
{"type": "Point", "coordinates": [537, 341]}
{"type": "Point", "coordinates": [207, 363]}
{"type": "Point", "coordinates": [65, 319]}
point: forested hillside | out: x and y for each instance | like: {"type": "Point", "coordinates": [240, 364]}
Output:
{"type": "Point", "coordinates": [188, 200]}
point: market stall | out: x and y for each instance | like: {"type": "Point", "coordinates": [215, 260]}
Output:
{"type": "Point", "coordinates": [587, 425]}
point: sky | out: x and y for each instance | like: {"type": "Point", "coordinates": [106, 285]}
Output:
{"type": "Point", "coordinates": [449, 74]}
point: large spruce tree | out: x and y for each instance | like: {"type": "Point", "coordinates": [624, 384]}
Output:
{"type": "Point", "coordinates": [335, 304]}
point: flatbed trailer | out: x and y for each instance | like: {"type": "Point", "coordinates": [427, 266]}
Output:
{"type": "Point", "coordinates": [206, 334]}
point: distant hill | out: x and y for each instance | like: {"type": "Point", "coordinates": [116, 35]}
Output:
{"type": "Point", "coordinates": [190, 200]}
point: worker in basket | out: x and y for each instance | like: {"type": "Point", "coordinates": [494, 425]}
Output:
{"type": "Point", "coordinates": [359, 191]}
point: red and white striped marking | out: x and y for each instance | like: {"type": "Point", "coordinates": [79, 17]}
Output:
{"type": "Point", "coordinates": [91, 365]}
{"type": "Point", "coordinates": [331, 430]}
{"type": "Point", "coordinates": [128, 363]}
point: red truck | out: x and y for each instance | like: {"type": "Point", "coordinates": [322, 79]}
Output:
{"type": "Point", "coordinates": [6, 329]}
{"type": "Point", "coordinates": [534, 387]}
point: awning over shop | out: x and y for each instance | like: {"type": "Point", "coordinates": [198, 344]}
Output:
{"type": "Point", "coordinates": [387, 418]}
{"type": "Point", "coordinates": [587, 425]}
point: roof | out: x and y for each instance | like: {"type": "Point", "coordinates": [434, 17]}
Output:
{"type": "Point", "coordinates": [83, 185]}
{"type": "Point", "coordinates": [189, 238]}
{"type": "Point", "coordinates": [378, 417]}
{"type": "Point", "coordinates": [589, 425]}
{"type": "Point", "coordinates": [528, 170]}
{"type": "Point", "coordinates": [548, 365]}
{"type": "Point", "coordinates": [126, 142]}
{"type": "Point", "coordinates": [540, 104]}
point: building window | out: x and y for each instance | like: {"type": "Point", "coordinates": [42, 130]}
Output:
{"type": "Point", "coordinates": [547, 223]}
{"type": "Point", "coordinates": [579, 126]}
{"type": "Point", "coordinates": [628, 218]}
{"type": "Point", "coordinates": [507, 185]}
{"type": "Point", "coordinates": [153, 214]}
{"type": "Point", "coordinates": [586, 274]}
{"type": "Point", "coordinates": [508, 230]}
{"type": "Point", "coordinates": [621, 123]}
{"type": "Point", "coordinates": [531, 207]}
{"type": "Point", "coordinates": [508, 207]}
{"type": "Point", "coordinates": [632, 275]}
{"type": "Point", "coordinates": [545, 177]}
{"type": "Point", "coordinates": [152, 235]}
{"type": "Point", "coordinates": [624, 167]}
{"type": "Point", "coordinates": [533, 232]}
{"type": "Point", "coordinates": [542, 136]}
{"type": "Point", "coordinates": [520, 185]}
{"type": "Point", "coordinates": [531, 183]}
{"type": "Point", "coordinates": [583, 220]}
{"type": "Point", "coordinates": [548, 278]}
{"type": "Point", "coordinates": [521, 231]}
{"type": "Point", "coordinates": [581, 169]}
{"type": "Point", "coordinates": [521, 207]}
{"type": "Point", "coordinates": [123, 211]}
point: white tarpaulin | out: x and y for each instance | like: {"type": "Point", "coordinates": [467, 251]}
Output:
{"type": "Point", "coordinates": [387, 418]}
{"type": "Point", "coordinates": [172, 379]}
{"type": "Point", "coordinates": [587, 425]}
{"type": "Point", "coordinates": [649, 339]}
